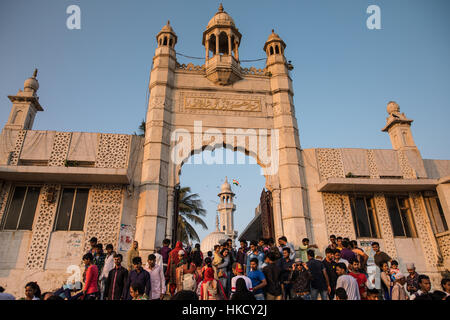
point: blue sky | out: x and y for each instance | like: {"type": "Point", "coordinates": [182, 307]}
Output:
{"type": "Point", "coordinates": [95, 79]}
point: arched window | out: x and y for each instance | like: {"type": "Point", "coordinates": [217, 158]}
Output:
{"type": "Point", "coordinates": [212, 44]}
{"type": "Point", "coordinates": [17, 117]}
{"type": "Point", "coordinates": [271, 50]}
{"type": "Point", "coordinates": [165, 41]}
{"type": "Point", "coordinates": [223, 43]}
{"type": "Point", "coordinates": [160, 41]}
{"type": "Point", "coordinates": [277, 50]}
{"type": "Point", "coordinates": [170, 42]}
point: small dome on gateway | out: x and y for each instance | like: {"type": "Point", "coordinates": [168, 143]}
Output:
{"type": "Point", "coordinates": [167, 37]}
{"type": "Point", "coordinates": [273, 37]}
{"type": "Point", "coordinates": [221, 18]}
{"type": "Point", "coordinates": [392, 107]}
{"type": "Point", "coordinates": [31, 84]}
{"type": "Point", "coordinates": [167, 28]}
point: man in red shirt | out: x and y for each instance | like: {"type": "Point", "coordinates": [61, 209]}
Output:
{"type": "Point", "coordinates": [360, 278]}
{"type": "Point", "coordinates": [90, 290]}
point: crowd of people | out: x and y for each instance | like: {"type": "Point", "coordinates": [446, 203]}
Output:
{"type": "Point", "coordinates": [261, 271]}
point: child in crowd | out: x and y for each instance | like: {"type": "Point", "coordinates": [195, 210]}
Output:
{"type": "Point", "coordinates": [394, 269]}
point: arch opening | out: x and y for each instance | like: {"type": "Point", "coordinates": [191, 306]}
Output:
{"type": "Point", "coordinates": [212, 44]}
{"type": "Point", "coordinates": [246, 198]}
{"type": "Point", "coordinates": [223, 43]}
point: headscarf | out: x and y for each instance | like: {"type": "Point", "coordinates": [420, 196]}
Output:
{"type": "Point", "coordinates": [209, 275]}
{"type": "Point", "coordinates": [173, 255]}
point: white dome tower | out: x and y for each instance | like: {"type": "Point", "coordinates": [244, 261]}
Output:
{"type": "Point", "coordinates": [226, 210]}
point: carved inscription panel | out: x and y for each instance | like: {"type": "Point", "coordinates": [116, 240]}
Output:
{"type": "Point", "coordinates": [211, 103]}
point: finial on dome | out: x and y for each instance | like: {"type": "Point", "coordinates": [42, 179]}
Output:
{"type": "Point", "coordinates": [35, 73]}
{"type": "Point", "coordinates": [220, 7]}
{"type": "Point", "coordinates": [168, 22]}
{"type": "Point", "coordinates": [273, 31]}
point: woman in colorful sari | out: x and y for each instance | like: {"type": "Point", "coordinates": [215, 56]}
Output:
{"type": "Point", "coordinates": [172, 264]}
{"type": "Point", "coordinates": [210, 288]}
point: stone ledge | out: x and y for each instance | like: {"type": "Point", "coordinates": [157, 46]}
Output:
{"type": "Point", "coordinates": [376, 185]}
{"type": "Point", "coordinates": [64, 174]}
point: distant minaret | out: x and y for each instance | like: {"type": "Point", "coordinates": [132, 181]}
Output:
{"type": "Point", "coordinates": [399, 128]}
{"type": "Point", "coordinates": [25, 105]}
{"type": "Point", "coordinates": [226, 210]}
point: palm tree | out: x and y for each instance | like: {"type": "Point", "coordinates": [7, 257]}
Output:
{"type": "Point", "coordinates": [141, 129]}
{"type": "Point", "coordinates": [190, 209]}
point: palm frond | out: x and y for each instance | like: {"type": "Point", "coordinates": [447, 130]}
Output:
{"type": "Point", "coordinates": [190, 208]}
{"type": "Point", "coordinates": [196, 220]}
{"type": "Point", "coordinates": [191, 232]}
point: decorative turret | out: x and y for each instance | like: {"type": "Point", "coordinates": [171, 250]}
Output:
{"type": "Point", "coordinates": [167, 37]}
{"type": "Point", "coordinates": [399, 128]}
{"type": "Point", "coordinates": [274, 45]}
{"type": "Point", "coordinates": [25, 105]}
{"type": "Point", "coordinates": [222, 39]}
{"type": "Point", "coordinates": [276, 61]}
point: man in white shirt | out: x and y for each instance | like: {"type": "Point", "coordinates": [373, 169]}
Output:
{"type": "Point", "coordinates": [238, 270]}
{"type": "Point", "coordinates": [347, 282]}
{"type": "Point", "coordinates": [424, 286]}
{"type": "Point", "coordinates": [159, 258]}
{"type": "Point", "coordinates": [108, 266]}
{"type": "Point", "coordinates": [158, 282]}
{"type": "Point", "coordinates": [338, 259]}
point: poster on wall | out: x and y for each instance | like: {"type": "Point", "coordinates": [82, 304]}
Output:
{"type": "Point", "coordinates": [126, 237]}
{"type": "Point", "coordinates": [73, 244]}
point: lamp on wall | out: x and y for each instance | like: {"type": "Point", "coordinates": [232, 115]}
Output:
{"type": "Point", "coordinates": [51, 194]}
